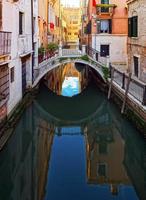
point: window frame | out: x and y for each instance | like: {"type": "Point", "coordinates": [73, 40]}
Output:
{"type": "Point", "coordinates": [102, 53]}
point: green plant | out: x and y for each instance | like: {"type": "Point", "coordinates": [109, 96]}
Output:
{"type": "Point", "coordinates": [41, 50]}
{"type": "Point", "coordinates": [105, 71]}
{"type": "Point", "coordinates": [62, 59]}
{"type": "Point", "coordinates": [85, 57]}
{"type": "Point", "coordinates": [52, 47]}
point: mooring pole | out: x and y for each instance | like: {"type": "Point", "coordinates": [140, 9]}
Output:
{"type": "Point", "coordinates": [110, 86]}
{"type": "Point", "coordinates": [126, 93]}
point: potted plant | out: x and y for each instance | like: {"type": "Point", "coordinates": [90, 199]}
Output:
{"type": "Point", "coordinates": [41, 51]}
{"type": "Point", "coordinates": [51, 48]}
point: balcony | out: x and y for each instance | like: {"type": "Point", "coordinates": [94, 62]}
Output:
{"type": "Point", "coordinates": [5, 43]}
{"type": "Point", "coordinates": [105, 9]}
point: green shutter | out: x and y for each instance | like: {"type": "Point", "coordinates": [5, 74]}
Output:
{"type": "Point", "coordinates": [129, 27]}
{"type": "Point", "coordinates": [135, 26]}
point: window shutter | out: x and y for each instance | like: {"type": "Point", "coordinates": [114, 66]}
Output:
{"type": "Point", "coordinates": [110, 26]}
{"type": "Point", "coordinates": [89, 26]}
{"type": "Point", "coordinates": [129, 27]}
{"type": "Point", "coordinates": [135, 26]}
{"type": "Point", "coordinates": [98, 26]}
{"type": "Point", "coordinates": [136, 63]}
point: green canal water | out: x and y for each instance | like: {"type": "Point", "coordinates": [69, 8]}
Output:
{"type": "Point", "coordinates": [77, 148]}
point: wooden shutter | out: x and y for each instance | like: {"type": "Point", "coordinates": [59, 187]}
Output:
{"type": "Point", "coordinates": [129, 27]}
{"type": "Point", "coordinates": [136, 64]}
{"type": "Point", "coordinates": [110, 26]}
{"type": "Point", "coordinates": [135, 26]}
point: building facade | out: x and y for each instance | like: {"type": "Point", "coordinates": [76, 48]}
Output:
{"type": "Point", "coordinates": [43, 22]}
{"type": "Point", "coordinates": [17, 51]}
{"type": "Point", "coordinates": [107, 29]}
{"type": "Point", "coordinates": [84, 20]}
{"type": "Point", "coordinates": [73, 21]}
{"type": "Point", "coordinates": [137, 38]}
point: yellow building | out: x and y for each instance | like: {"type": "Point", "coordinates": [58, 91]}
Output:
{"type": "Point", "coordinates": [73, 21]}
{"type": "Point", "coordinates": [57, 26]}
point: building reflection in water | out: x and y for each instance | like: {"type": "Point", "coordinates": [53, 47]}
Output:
{"type": "Point", "coordinates": [115, 154]}
{"type": "Point", "coordinates": [109, 152]}
{"type": "Point", "coordinates": [24, 161]}
{"type": "Point", "coordinates": [105, 154]}
{"type": "Point", "coordinates": [55, 78]}
{"type": "Point", "coordinates": [44, 144]}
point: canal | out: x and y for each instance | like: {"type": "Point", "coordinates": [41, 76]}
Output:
{"type": "Point", "coordinates": [77, 148]}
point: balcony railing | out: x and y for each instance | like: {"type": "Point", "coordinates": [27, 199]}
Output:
{"type": "Point", "coordinates": [5, 43]}
{"type": "Point", "coordinates": [105, 9]}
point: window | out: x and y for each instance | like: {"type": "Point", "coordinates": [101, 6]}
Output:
{"type": "Point", "coordinates": [104, 9]}
{"type": "Point", "coordinates": [104, 50]}
{"type": "Point", "coordinates": [133, 26]}
{"type": "Point", "coordinates": [12, 74]}
{"type": "Point", "coordinates": [103, 148]}
{"type": "Point", "coordinates": [102, 169]}
{"type": "Point", "coordinates": [75, 22]}
{"type": "Point", "coordinates": [105, 26]}
{"type": "Point", "coordinates": [4, 82]}
{"type": "Point", "coordinates": [21, 16]}
{"type": "Point", "coordinates": [136, 65]}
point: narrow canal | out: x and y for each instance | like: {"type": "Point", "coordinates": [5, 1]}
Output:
{"type": "Point", "coordinates": [77, 148]}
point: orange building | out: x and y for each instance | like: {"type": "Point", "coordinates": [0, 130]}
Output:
{"type": "Point", "coordinates": [43, 22]}
{"type": "Point", "coordinates": [107, 29]}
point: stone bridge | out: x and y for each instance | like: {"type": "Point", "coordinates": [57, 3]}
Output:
{"type": "Point", "coordinates": [65, 56]}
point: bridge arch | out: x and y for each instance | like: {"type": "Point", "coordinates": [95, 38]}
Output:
{"type": "Point", "coordinates": [51, 64]}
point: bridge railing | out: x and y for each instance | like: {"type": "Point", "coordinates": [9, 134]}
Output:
{"type": "Point", "coordinates": [96, 55]}
{"type": "Point", "coordinates": [71, 52]}
{"type": "Point", "coordinates": [137, 89]}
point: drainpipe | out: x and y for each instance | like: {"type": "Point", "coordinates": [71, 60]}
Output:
{"type": "Point", "coordinates": [32, 29]}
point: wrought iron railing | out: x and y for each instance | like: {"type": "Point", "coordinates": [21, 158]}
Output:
{"type": "Point", "coordinates": [96, 55]}
{"type": "Point", "coordinates": [137, 89]}
{"type": "Point", "coordinates": [5, 43]}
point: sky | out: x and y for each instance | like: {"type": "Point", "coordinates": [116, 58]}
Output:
{"type": "Point", "coordinates": [74, 3]}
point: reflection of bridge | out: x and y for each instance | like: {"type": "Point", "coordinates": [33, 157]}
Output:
{"type": "Point", "coordinates": [65, 56]}
{"type": "Point", "coordinates": [67, 123]}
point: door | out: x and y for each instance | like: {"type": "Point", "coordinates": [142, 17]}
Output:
{"type": "Point", "coordinates": [136, 64]}
{"type": "Point", "coordinates": [23, 77]}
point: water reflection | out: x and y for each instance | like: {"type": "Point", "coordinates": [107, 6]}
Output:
{"type": "Point", "coordinates": [48, 157]}
{"type": "Point", "coordinates": [70, 86]}
{"type": "Point", "coordinates": [68, 79]}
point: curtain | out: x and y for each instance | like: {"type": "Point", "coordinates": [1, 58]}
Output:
{"type": "Point", "coordinates": [104, 26]}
